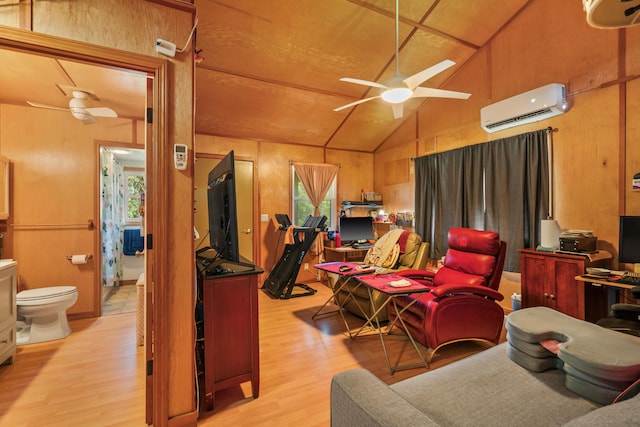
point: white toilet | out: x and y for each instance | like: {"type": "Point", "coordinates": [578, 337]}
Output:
{"type": "Point", "coordinates": [42, 313]}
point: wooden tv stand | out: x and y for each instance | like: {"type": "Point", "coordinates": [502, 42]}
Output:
{"type": "Point", "coordinates": [231, 346]}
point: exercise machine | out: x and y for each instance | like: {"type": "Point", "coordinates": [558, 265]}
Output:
{"type": "Point", "coordinates": [281, 281]}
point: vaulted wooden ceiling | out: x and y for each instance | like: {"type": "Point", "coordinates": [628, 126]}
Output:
{"type": "Point", "coordinates": [271, 69]}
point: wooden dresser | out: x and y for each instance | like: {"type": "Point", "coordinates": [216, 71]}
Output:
{"type": "Point", "coordinates": [231, 356]}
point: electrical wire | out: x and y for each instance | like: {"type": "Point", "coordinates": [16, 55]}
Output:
{"type": "Point", "coordinates": [195, 24]}
{"type": "Point", "coordinates": [202, 240]}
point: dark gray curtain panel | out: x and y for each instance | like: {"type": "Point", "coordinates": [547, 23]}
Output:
{"type": "Point", "coordinates": [501, 185]}
{"type": "Point", "coordinates": [518, 191]}
{"type": "Point", "coordinates": [442, 189]}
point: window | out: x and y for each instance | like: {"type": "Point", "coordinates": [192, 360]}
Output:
{"type": "Point", "coordinates": [133, 195]}
{"type": "Point", "coordinates": [302, 206]}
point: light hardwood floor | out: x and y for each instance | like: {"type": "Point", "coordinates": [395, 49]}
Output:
{"type": "Point", "coordinates": [95, 377]}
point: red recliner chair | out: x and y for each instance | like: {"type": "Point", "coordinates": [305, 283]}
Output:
{"type": "Point", "coordinates": [462, 302]}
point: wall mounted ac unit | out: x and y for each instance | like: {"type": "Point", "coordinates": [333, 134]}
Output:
{"type": "Point", "coordinates": [537, 104]}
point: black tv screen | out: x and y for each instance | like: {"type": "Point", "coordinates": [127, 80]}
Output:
{"type": "Point", "coordinates": [353, 229]}
{"type": "Point", "coordinates": [629, 244]}
{"type": "Point", "coordinates": [223, 222]}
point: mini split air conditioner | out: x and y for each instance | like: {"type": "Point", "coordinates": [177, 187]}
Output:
{"type": "Point", "coordinates": [537, 104]}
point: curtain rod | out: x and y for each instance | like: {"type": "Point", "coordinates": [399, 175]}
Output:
{"type": "Point", "coordinates": [549, 129]}
{"type": "Point", "coordinates": [291, 162]}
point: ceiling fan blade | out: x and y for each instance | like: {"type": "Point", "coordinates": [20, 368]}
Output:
{"type": "Point", "coordinates": [424, 75]}
{"type": "Point", "coordinates": [101, 112]}
{"type": "Point", "coordinates": [397, 110]}
{"type": "Point", "coordinates": [425, 92]}
{"type": "Point", "coordinates": [362, 82]}
{"type": "Point", "coordinates": [89, 120]}
{"type": "Point", "coordinates": [355, 103]}
{"type": "Point", "coordinates": [50, 107]}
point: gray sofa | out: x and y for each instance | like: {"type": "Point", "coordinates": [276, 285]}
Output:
{"type": "Point", "coordinates": [486, 389]}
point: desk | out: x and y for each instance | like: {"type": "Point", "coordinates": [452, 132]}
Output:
{"type": "Point", "coordinates": [602, 281]}
{"type": "Point", "coordinates": [611, 288]}
{"type": "Point", "coordinates": [344, 254]}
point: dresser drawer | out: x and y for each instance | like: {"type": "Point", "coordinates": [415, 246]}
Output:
{"type": "Point", "coordinates": [8, 344]}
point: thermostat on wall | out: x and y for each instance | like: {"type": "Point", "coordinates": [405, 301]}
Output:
{"type": "Point", "coordinates": [180, 156]}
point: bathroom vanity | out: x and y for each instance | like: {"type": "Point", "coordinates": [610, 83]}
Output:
{"type": "Point", "coordinates": [7, 310]}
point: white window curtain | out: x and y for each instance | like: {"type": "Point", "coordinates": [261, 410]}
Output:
{"type": "Point", "coordinates": [316, 179]}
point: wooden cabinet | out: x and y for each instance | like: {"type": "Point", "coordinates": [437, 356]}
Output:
{"type": "Point", "coordinates": [231, 346]}
{"type": "Point", "coordinates": [548, 279]}
{"type": "Point", "coordinates": [7, 311]}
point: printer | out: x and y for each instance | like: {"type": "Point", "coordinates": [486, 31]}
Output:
{"type": "Point", "coordinates": [578, 241]}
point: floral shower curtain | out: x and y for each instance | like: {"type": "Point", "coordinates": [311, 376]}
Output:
{"type": "Point", "coordinates": [112, 205]}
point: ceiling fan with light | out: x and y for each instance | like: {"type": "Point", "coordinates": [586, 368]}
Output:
{"type": "Point", "coordinates": [80, 105]}
{"type": "Point", "coordinates": [400, 88]}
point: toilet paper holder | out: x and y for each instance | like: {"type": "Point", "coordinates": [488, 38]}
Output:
{"type": "Point", "coordinates": [87, 257]}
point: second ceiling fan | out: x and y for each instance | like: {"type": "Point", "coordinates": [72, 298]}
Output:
{"type": "Point", "coordinates": [80, 105]}
{"type": "Point", "coordinates": [400, 88]}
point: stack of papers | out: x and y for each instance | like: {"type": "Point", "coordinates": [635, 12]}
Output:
{"type": "Point", "coordinates": [402, 283]}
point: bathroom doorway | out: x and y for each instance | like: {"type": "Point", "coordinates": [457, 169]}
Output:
{"type": "Point", "coordinates": [122, 259]}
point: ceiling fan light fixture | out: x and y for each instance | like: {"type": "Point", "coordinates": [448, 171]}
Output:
{"type": "Point", "coordinates": [77, 107]}
{"type": "Point", "coordinates": [80, 114]}
{"type": "Point", "coordinates": [396, 95]}
{"type": "Point", "coordinates": [400, 88]}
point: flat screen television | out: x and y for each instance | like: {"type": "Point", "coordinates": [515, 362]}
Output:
{"type": "Point", "coordinates": [629, 244]}
{"type": "Point", "coordinates": [356, 229]}
{"type": "Point", "coordinates": [223, 220]}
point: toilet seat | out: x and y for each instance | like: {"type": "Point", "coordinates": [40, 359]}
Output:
{"type": "Point", "coordinates": [46, 295]}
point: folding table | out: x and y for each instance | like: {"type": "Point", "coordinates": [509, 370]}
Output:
{"type": "Point", "coordinates": [392, 286]}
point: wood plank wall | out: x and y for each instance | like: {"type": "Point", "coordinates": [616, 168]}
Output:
{"type": "Point", "coordinates": [595, 145]}
{"type": "Point", "coordinates": [134, 27]}
{"type": "Point", "coordinates": [590, 145]}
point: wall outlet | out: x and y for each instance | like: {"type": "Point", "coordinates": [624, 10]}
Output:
{"type": "Point", "coordinates": [306, 266]}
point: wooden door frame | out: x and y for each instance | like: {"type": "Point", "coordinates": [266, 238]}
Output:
{"type": "Point", "coordinates": [157, 174]}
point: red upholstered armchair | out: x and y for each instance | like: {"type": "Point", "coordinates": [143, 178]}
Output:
{"type": "Point", "coordinates": [462, 302]}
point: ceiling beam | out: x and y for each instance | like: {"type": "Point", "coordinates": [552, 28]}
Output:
{"type": "Point", "coordinates": [414, 24]}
